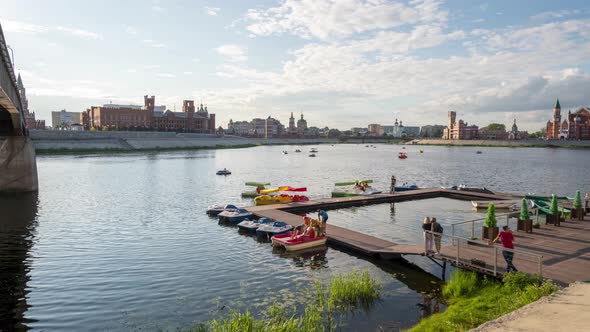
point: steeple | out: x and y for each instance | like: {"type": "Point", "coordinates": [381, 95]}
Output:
{"type": "Point", "coordinates": [291, 116]}
{"type": "Point", "coordinates": [19, 82]}
{"type": "Point", "coordinates": [514, 127]}
{"type": "Point", "coordinates": [557, 106]}
{"type": "Point", "coordinates": [301, 115]}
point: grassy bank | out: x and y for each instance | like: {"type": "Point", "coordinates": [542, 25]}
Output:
{"type": "Point", "coordinates": [504, 145]}
{"type": "Point", "coordinates": [474, 300]}
{"type": "Point", "coordinates": [322, 303]}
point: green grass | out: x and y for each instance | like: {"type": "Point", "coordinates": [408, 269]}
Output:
{"type": "Point", "coordinates": [321, 305]}
{"type": "Point", "coordinates": [62, 151]}
{"type": "Point", "coordinates": [475, 300]}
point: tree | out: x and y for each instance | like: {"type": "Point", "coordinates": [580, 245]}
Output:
{"type": "Point", "coordinates": [490, 220]}
{"type": "Point", "coordinates": [495, 126]}
{"type": "Point", "coordinates": [553, 207]}
{"type": "Point", "coordinates": [577, 201]}
{"type": "Point", "coordinates": [524, 210]}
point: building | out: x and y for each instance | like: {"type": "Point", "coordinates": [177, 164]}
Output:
{"type": "Point", "coordinates": [358, 131]}
{"type": "Point", "coordinates": [292, 128]}
{"type": "Point", "coordinates": [410, 131]}
{"type": "Point", "coordinates": [65, 120]}
{"type": "Point", "coordinates": [485, 133]}
{"type": "Point", "coordinates": [375, 129]}
{"type": "Point", "coordinates": [30, 120]}
{"type": "Point", "coordinates": [576, 126]}
{"type": "Point", "coordinates": [301, 125]}
{"type": "Point", "coordinates": [459, 129]}
{"type": "Point", "coordinates": [514, 134]}
{"type": "Point", "coordinates": [432, 131]}
{"type": "Point", "coordinates": [387, 130]}
{"type": "Point", "coordinates": [150, 117]}
{"type": "Point", "coordinates": [240, 128]}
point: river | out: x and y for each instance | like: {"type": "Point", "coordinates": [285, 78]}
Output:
{"type": "Point", "coordinates": [121, 242]}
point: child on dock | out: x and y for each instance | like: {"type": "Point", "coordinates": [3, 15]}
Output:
{"type": "Point", "coordinates": [427, 228]}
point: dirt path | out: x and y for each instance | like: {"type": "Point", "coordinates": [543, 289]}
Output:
{"type": "Point", "coordinates": [566, 310]}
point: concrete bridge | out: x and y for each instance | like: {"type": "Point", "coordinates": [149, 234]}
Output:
{"type": "Point", "coordinates": [18, 167]}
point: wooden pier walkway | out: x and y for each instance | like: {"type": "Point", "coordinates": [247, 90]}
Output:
{"type": "Point", "coordinates": [365, 244]}
{"type": "Point", "coordinates": [565, 249]}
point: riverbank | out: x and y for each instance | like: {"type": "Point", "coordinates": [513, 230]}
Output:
{"type": "Point", "coordinates": [71, 142]}
{"type": "Point", "coordinates": [563, 311]}
{"type": "Point", "coordinates": [475, 300]}
{"type": "Point", "coordinates": [529, 143]}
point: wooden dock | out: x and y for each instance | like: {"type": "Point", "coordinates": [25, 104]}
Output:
{"type": "Point", "coordinates": [565, 249]}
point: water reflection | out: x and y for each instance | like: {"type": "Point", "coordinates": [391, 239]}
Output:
{"type": "Point", "coordinates": [17, 230]}
{"type": "Point", "coordinates": [313, 258]}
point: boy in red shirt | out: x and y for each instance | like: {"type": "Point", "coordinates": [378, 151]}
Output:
{"type": "Point", "coordinates": [507, 240]}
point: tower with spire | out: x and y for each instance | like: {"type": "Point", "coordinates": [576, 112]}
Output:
{"type": "Point", "coordinates": [292, 128]}
{"type": "Point", "coordinates": [301, 125]}
{"type": "Point", "coordinates": [554, 125]}
{"type": "Point", "coordinates": [23, 94]}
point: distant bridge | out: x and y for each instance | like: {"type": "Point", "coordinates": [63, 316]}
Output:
{"type": "Point", "coordinates": [18, 167]}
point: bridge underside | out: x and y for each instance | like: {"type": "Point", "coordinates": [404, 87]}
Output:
{"type": "Point", "coordinates": [11, 121]}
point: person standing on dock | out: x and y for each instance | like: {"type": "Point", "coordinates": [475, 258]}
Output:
{"type": "Point", "coordinates": [507, 240]}
{"type": "Point", "coordinates": [427, 229]}
{"type": "Point", "coordinates": [437, 229]}
{"type": "Point", "coordinates": [392, 188]}
{"type": "Point", "coordinates": [323, 217]}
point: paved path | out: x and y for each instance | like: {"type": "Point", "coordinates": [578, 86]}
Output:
{"type": "Point", "coordinates": [566, 310]}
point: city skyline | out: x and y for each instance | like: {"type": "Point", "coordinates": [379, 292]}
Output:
{"type": "Point", "coordinates": [489, 62]}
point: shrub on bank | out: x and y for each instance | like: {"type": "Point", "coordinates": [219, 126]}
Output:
{"type": "Point", "coordinates": [340, 294]}
{"type": "Point", "coordinates": [474, 300]}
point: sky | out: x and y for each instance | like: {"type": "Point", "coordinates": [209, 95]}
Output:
{"type": "Point", "coordinates": [342, 63]}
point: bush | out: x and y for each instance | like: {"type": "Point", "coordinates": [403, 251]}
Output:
{"type": "Point", "coordinates": [553, 207]}
{"type": "Point", "coordinates": [490, 220]}
{"type": "Point", "coordinates": [524, 210]}
{"type": "Point", "coordinates": [577, 201]}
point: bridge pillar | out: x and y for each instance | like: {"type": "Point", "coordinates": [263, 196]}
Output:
{"type": "Point", "coordinates": [18, 167]}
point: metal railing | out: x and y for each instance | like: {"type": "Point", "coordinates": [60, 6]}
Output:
{"type": "Point", "coordinates": [508, 216]}
{"type": "Point", "coordinates": [486, 251]}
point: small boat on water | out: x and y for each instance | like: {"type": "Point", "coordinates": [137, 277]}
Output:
{"type": "Point", "coordinates": [402, 155]}
{"type": "Point", "coordinates": [214, 210]}
{"type": "Point", "coordinates": [285, 152]}
{"type": "Point", "coordinates": [478, 152]}
{"type": "Point", "coordinates": [361, 188]}
{"type": "Point", "coordinates": [251, 226]}
{"type": "Point", "coordinates": [235, 216]}
{"type": "Point", "coordinates": [499, 205]}
{"type": "Point", "coordinates": [223, 172]}
{"type": "Point", "coordinates": [298, 241]}
{"type": "Point", "coordinates": [297, 150]}
{"type": "Point", "coordinates": [475, 189]}
{"type": "Point", "coordinates": [276, 228]}
{"type": "Point", "coordinates": [421, 151]}
{"type": "Point", "coordinates": [253, 193]}
{"type": "Point", "coordinates": [407, 188]}
{"type": "Point", "coordinates": [279, 199]}
{"type": "Point", "coordinates": [313, 150]}
{"type": "Point", "coordinates": [312, 155]}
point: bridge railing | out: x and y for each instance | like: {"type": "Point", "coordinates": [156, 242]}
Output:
{"type": "Point", "coordinates": [489, 258]}
{"type": "Point", "coordinates": [7, 76]}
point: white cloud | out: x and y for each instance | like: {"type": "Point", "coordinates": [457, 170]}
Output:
{"type": "Point", "coordinates": [325, 19]}
{"type": "Point", "coordinates": [232, 52]}
{"type": "Point", "coordinates": [153, 43]}
{"type": "Point", "coordinates": [22, 27]}
{"type": "Point", "coordinates": [556, 14]}
{"type": "Point", "coordinates": [166, 75]}
{"type": "Point", "coordinates": [211, 11]}
{"type": "Point", "coordinates": [79, 32]}
{"type": "Point", "coordinates": [157, 8]}
{"type": "Point", "coordinates": [131, 30]}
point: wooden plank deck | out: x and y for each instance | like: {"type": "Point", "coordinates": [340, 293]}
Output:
{"type": "Point", "coordinates": [565, 249]}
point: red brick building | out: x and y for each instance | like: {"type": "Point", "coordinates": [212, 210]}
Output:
{"type": "Point", "coordinates": [119, 117]}
{"type": "Point", "coordinates": [459, 129]}
{"type": "Point", "coordinates": [576, 126]}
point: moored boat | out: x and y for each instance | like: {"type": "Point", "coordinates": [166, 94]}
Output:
{"type": "Point", "coordinates": [298, 241]}
{"type": "Point", "coordinates": [252, 225]}
{"type": "Point", "coordinates": [279, 199]}
{"type": "Point", "coordinates": [361, 188]}
{"type": "Point", "coordinates": [499, 205]}
{"type": "Point", "coordinates": [312, 155]}
{"type": "Point", "coordinates": [407, 188]}
{"type": "Point", "coordinates": [253, 193]}
{"type": "Point", "coordinates": [276, 228]}
{"type": "Point", "coordinates": [214, 210]}
{"type": "Point", "coordinates": [297, 150]}
{"type": "Point", "coordinates": [402, 155]}
{"type": "Point", "coordinates": [235, 216]}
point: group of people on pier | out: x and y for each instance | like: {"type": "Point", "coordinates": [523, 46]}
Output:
{"type": "Point", "coordinates": [432, 235]}
{"type": "Point", "coordinates": [314, 227]}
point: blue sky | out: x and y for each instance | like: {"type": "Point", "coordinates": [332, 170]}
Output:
{"type": "Point", "coordinates": [344, 63]}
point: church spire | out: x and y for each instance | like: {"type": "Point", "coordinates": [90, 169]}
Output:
{"type": "Point", "coordinates": [19, 81]}
{"type": "Point", "coordinates": [557, 106]}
